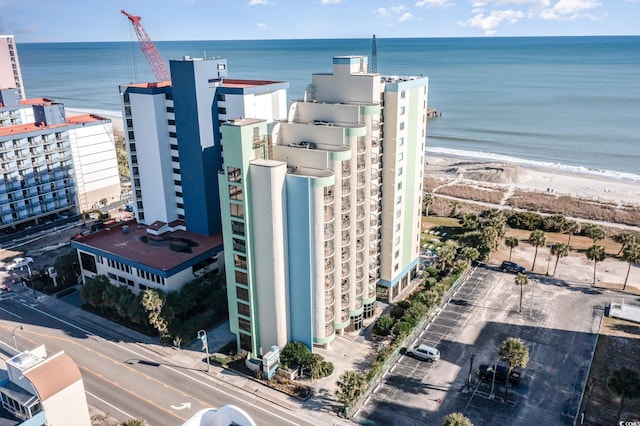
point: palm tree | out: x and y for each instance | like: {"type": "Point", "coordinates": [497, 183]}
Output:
{"type": "Point", "coordinates": [513, 351]}
{"type": "Point", "coordinates": [559, 250]}
{"type": "Point", "coordinates": [456, 419]}
{"type": "Point", "coordinates": [594, 232]}
{"type": "Point", "coordinates": [537, 239]}
{"type": "Point", "coordinates": [632, 255]}
{"type": "Point", "coordinates": [455, 205]}
{"type": "Point", "coordinates": [446, 255]}
{"type": "Point", "coordinates": [469, 254]}
{"type": "Point", "coordinates": [625, 383]}
{"type": "Point", "coordinates": [511, 242]}
{"type": "Point", "coordinates": [350, 386]}
{"type": "Point", "coordinates": [625, 238]}
{"type": "Point", "coordinates": [595, 253]}
{"type": "Point", "coordinates": [571, 227]}
{"type": "Point", "coordinates": [521, 280]}
{"type": "Point", "coordinates": [427, 201]}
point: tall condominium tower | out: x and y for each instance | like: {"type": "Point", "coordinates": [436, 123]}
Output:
{"type": "Point", "coordinates": [10, 74]}
{"type": "Point", "coordinates": [321, 212]}
{"type": "Point", "coordinates": [173, 138]}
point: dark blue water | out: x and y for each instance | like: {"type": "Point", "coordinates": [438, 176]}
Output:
{"type": "Point", "coordinates": [570, 102]}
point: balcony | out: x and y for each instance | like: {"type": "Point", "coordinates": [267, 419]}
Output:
{"type": "Point", "coordinates": [329, 216]}
{"type": "Point", "coordinates": [375, 142]}
{"type": "Point", "coordinates": [346, 169]}
{"type": "Point", "coordinates": [346, 205]}
{"type": "Point", "coordinates": [328, 248]}
{"type": "Point", "coordinates": [375, 159]}
{"type": "Point", "coordinates": [329, 266]}
{"type": "Point", "coordinates": [346, 271]}
{"type": "Point", "coordinates": [329, 282]}
{"type": "Point", "coordinates": [359, 278]}
{"type": "Point", "coordinates": [359, 303]}
{"type": "Point", "coordinates": [344, 316]}
{"type": "Point", "coordinates": [362, 164]}
{"type": "Point", "coordinates": [329, 198]}
{"type": "Point", "coordinates": [359, 260]}
{"type": "Point", "coordinates": [329, 330]}
{"type": "Point", "coordinates": [346, 255]}
{"type": "Point", "coordinates": [329, 315]}
{"type": "Point", "coordinates": [345, 301]}
{"type": "Point", "coordinates": [359, 229]}
{"type": "Point", "coordinates": [362, 147]}
{"type": "Point", "coordinates": [346, 240]}
{"type": "Point", "coordinates": [373, 207]}
{"type": "Point", "coordinates": [345, 287]}
{"type": "Point", "coordinates": [371, 293]}
{"type": "Point", "coordinates": [360, 213]}
{"type": "Point", "coordinates": [361, 181]}
{"type": "Point", "coordinates": [346, 189]}
{"type": "Point", "coordinates": [328, 231]}
{"type": "Point", "coordinates": [375, 193]}
{"type": "Point", "coordinates": [329, 298]}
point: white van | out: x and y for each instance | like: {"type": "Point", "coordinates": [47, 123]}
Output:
{"type": "Point", "coordinates": [424, 352]}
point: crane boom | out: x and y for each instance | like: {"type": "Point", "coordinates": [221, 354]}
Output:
{"type": "Point", "coordinates": [149, 49]}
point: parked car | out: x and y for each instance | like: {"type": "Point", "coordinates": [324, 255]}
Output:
{"type": "Point", "coordinates": [512, 267]}
{"type": "Point", "coordinates": [19, 262]}
{"type": "Point", "coordinates": [424, 352]}
{"type": "Point", "coordinates": [485, 372]}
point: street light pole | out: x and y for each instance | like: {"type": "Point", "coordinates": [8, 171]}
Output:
{"type": "Point", "coordinates": [493, 381]}
{"type": "Point", "coordinates": [13, 334]}
{"type": "Point", "coordinates": [202, 335]}
{"type": "Point", "coordinates": [470, 370]}
{"type": "Point", "coordinates": [31, 281]}
{"type": "Point", "coordinates": [549, 259]}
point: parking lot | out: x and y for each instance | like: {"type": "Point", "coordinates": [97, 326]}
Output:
{"type": "Point", "coordinates": [559, 322]}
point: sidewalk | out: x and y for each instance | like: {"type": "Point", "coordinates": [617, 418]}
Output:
{"type": "Point", "coordinates": [315, 410]}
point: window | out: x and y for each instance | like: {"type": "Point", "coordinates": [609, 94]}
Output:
{"type": "Point", "coordinates": [88, 262]}
{"type": "Point", "coordinates": [400, 156]}
{"type": "Point", "coordinates": [176, 171]}
{"type": "Point", "coordinates": [244, 324]}
{"type": "Point", "coordinates": [396, 254]}
{"type": "Point", "coordinates": [173, 146]}
{"type": "Point", "coordinates": [235, 192]}
{"type": "Point", "coordinates": [398, 199]}
{"type": "Point", "coordinates": [175, 159]}
{"type": "Point", "coordinates": [398, 213]}
{"type": "Point", "coordinates": [243, 309]}
{"type": "Point", "coordinates": [402, 94]}
{"type": "Point", "coordinates": [243, 294]}
{"type": "Point", "coordinates": [239, 245]}
{"type": "Point", "coordinates": [169, 109]}
{"type": "Point", "coordinates": [168, 96]}
{"type": "Point", "coordinates": [221, 97]}
{"type": "Point", "coordinates": [237, 228]}
{"type": "Point", "coordinates": [399, 186]}
{"type": "Point", "coordinates": [245, 342]}
{"type": "Point", "coordinates": [239, 261]}
{"type": "Point", "coordinates": [173, 135]}
{"type": "Point", "coordinates": [237, 210]}
{"type": "Point", "coordinates": [401, 110]}
{"type": "Point", "coordinates": [171, 122]}
{"type": "Point", "coordinates": [402, 125]}
{"type": "Point", "coordinates": [396, 241]}
{"type": "Point", "coordinates": [222, 110]}
{"type": "Point", "coordinates": [399, 171]}
{"type": "Point", "coordinates": [401, 142]}
{"type": "Point", "coordinates": [234, 174]}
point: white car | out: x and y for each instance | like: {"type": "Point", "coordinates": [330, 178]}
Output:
{"type": "Point", "coordinates": [19, 262]}
{"type": "Point", "coordinates": [424, 352]}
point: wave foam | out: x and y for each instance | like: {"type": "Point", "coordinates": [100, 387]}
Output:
{"type": "Point", "coordinates": [489, 156]}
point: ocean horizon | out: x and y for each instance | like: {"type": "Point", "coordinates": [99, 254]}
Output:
{"type": "Point", "coordinates": [568, 103]}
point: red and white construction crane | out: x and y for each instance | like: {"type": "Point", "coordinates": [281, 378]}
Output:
{"type": "Point", "coordinates": [149, 49]}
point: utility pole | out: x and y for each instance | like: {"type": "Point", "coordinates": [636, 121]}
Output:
{"type": "Point", "coordinates": [470, 371]}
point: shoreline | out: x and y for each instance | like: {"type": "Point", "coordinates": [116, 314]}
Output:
{"type": "Point", "coordinates": [500, 171]}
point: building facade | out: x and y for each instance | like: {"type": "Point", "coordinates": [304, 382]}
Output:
{"type": "Point", "coordinates": [52, 165]}
{"type": "Point", "coordinates": [314, 227]}
{"type": "Point", "coordinates": [10, 73]}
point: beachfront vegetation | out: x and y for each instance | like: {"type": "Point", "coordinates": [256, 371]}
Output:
{"type": "Point", "coordinates": [515, 353]}
{"type": "Point", "coordinates": [521, 280]}
{"type": "Point", "coordinates": [511, 242]}
{"type": "Point", "coordinates": [456, 419]}
{"type": "Point", "coordinates": [631, 254]}
{"type": "Point", "coordinates": [596, 254]}
{"type": "Point", "coordinates": [559, 250]}
{"type": "Point", "coordinates": [537, 239]}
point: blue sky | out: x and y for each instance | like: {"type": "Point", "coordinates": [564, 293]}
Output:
{"type": "Point", "coordinates": [90, 20]}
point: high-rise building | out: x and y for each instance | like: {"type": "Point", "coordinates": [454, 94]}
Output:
{"type": "Point", "coordinates": [52, 164]}
{"type": "Point", "coordinates": [315, 228]}
{"type": "Point", "coordinates": [173, 138]}
{"type": "Point", "coordinates": [10, 73]}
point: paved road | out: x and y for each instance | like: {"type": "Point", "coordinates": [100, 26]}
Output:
{"type": "Point", "coordinates": [560, 327]}
{"type": "Point", "coordinates": [134, 378]}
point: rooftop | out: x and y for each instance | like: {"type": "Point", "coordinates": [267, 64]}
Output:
{"type": "Point", "coordinates": [162, 252]}
{"type": "Point", "coordinates": [32, 127]}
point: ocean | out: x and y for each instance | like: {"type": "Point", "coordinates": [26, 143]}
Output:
{"type": "Point", "coordinates": [571, 103]}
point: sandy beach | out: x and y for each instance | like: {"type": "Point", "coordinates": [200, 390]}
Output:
{"type": "Point", "coordinates": [512, 177]}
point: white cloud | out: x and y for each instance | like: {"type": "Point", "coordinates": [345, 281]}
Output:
{"type": "Point", "coordinates": [569, 9]}
{"type": "Point", "coordinates": [398, 9]}
{"type": "Point", "coordinates": [434, 3]}
{"type": "Point", "coordinates": [260, 26]}
{"type": "Point", "coordinates": [259, 2]}
{"type": "Point", "coordinates": [382, 12]}
{"type": "Point", "coordinates": [489, 23]}
{"type": "Point", "coordinates": [406, 17]}
{"type": "Point", "coordinates": [331, 1]}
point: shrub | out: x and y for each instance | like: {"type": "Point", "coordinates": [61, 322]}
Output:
{"type": "Point", "coordinates": [321, 369]}
{"type": "Point", "coordinates": [402, 330]}
{"type": "Point", "coordinates": [404, 304]}
{"type": "Point", "coordinates": [430, 282]}
{"type": "Point", "coordinates": [296, 353]}
{"type": "Point", "coordinates": [432, 271]}
{"type": "Point", "coordinates": [417, 310]}
{"type": "Point", "coordinates": [382, 326]}
{"type": "Point", "coordinates": [396, 312]}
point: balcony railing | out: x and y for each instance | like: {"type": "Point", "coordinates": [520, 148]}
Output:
{"type": "Point", "coordinates": [329, 330]}
{"type": "Point", "coordinates": [360, 213]}
{"type": "Point", "coordinates": [328, 231]}
{"type": "Point", "coordinates": [329, 315]}
{"type": "Point", "coordinates": [329, 216]}
{"type": "Point", "coordinates": [328, 248]}
{"type": "Point", "coordinates": [329, 298]}
{"type": "Point", "coordinates": [329, 266]}
{"type": "Point", "coordinates": [329, 282]}
{"type": "Point", "coordinates": [345, 287]}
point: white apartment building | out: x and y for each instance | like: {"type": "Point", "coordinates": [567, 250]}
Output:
{"type": "Point", "coordinates": [10, 73]}
{"type": "Point", "coordinates": [321, 213]}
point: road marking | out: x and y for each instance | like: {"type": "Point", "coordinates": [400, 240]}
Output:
{"type": "Point", "coordinates": [182, 406]}
{"type": "Point", "coordinates": [164, 366]}
{"type": "Point", "coordinates": [11, 313]}
{"type": "Point", "coordinates": [110, 405]}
